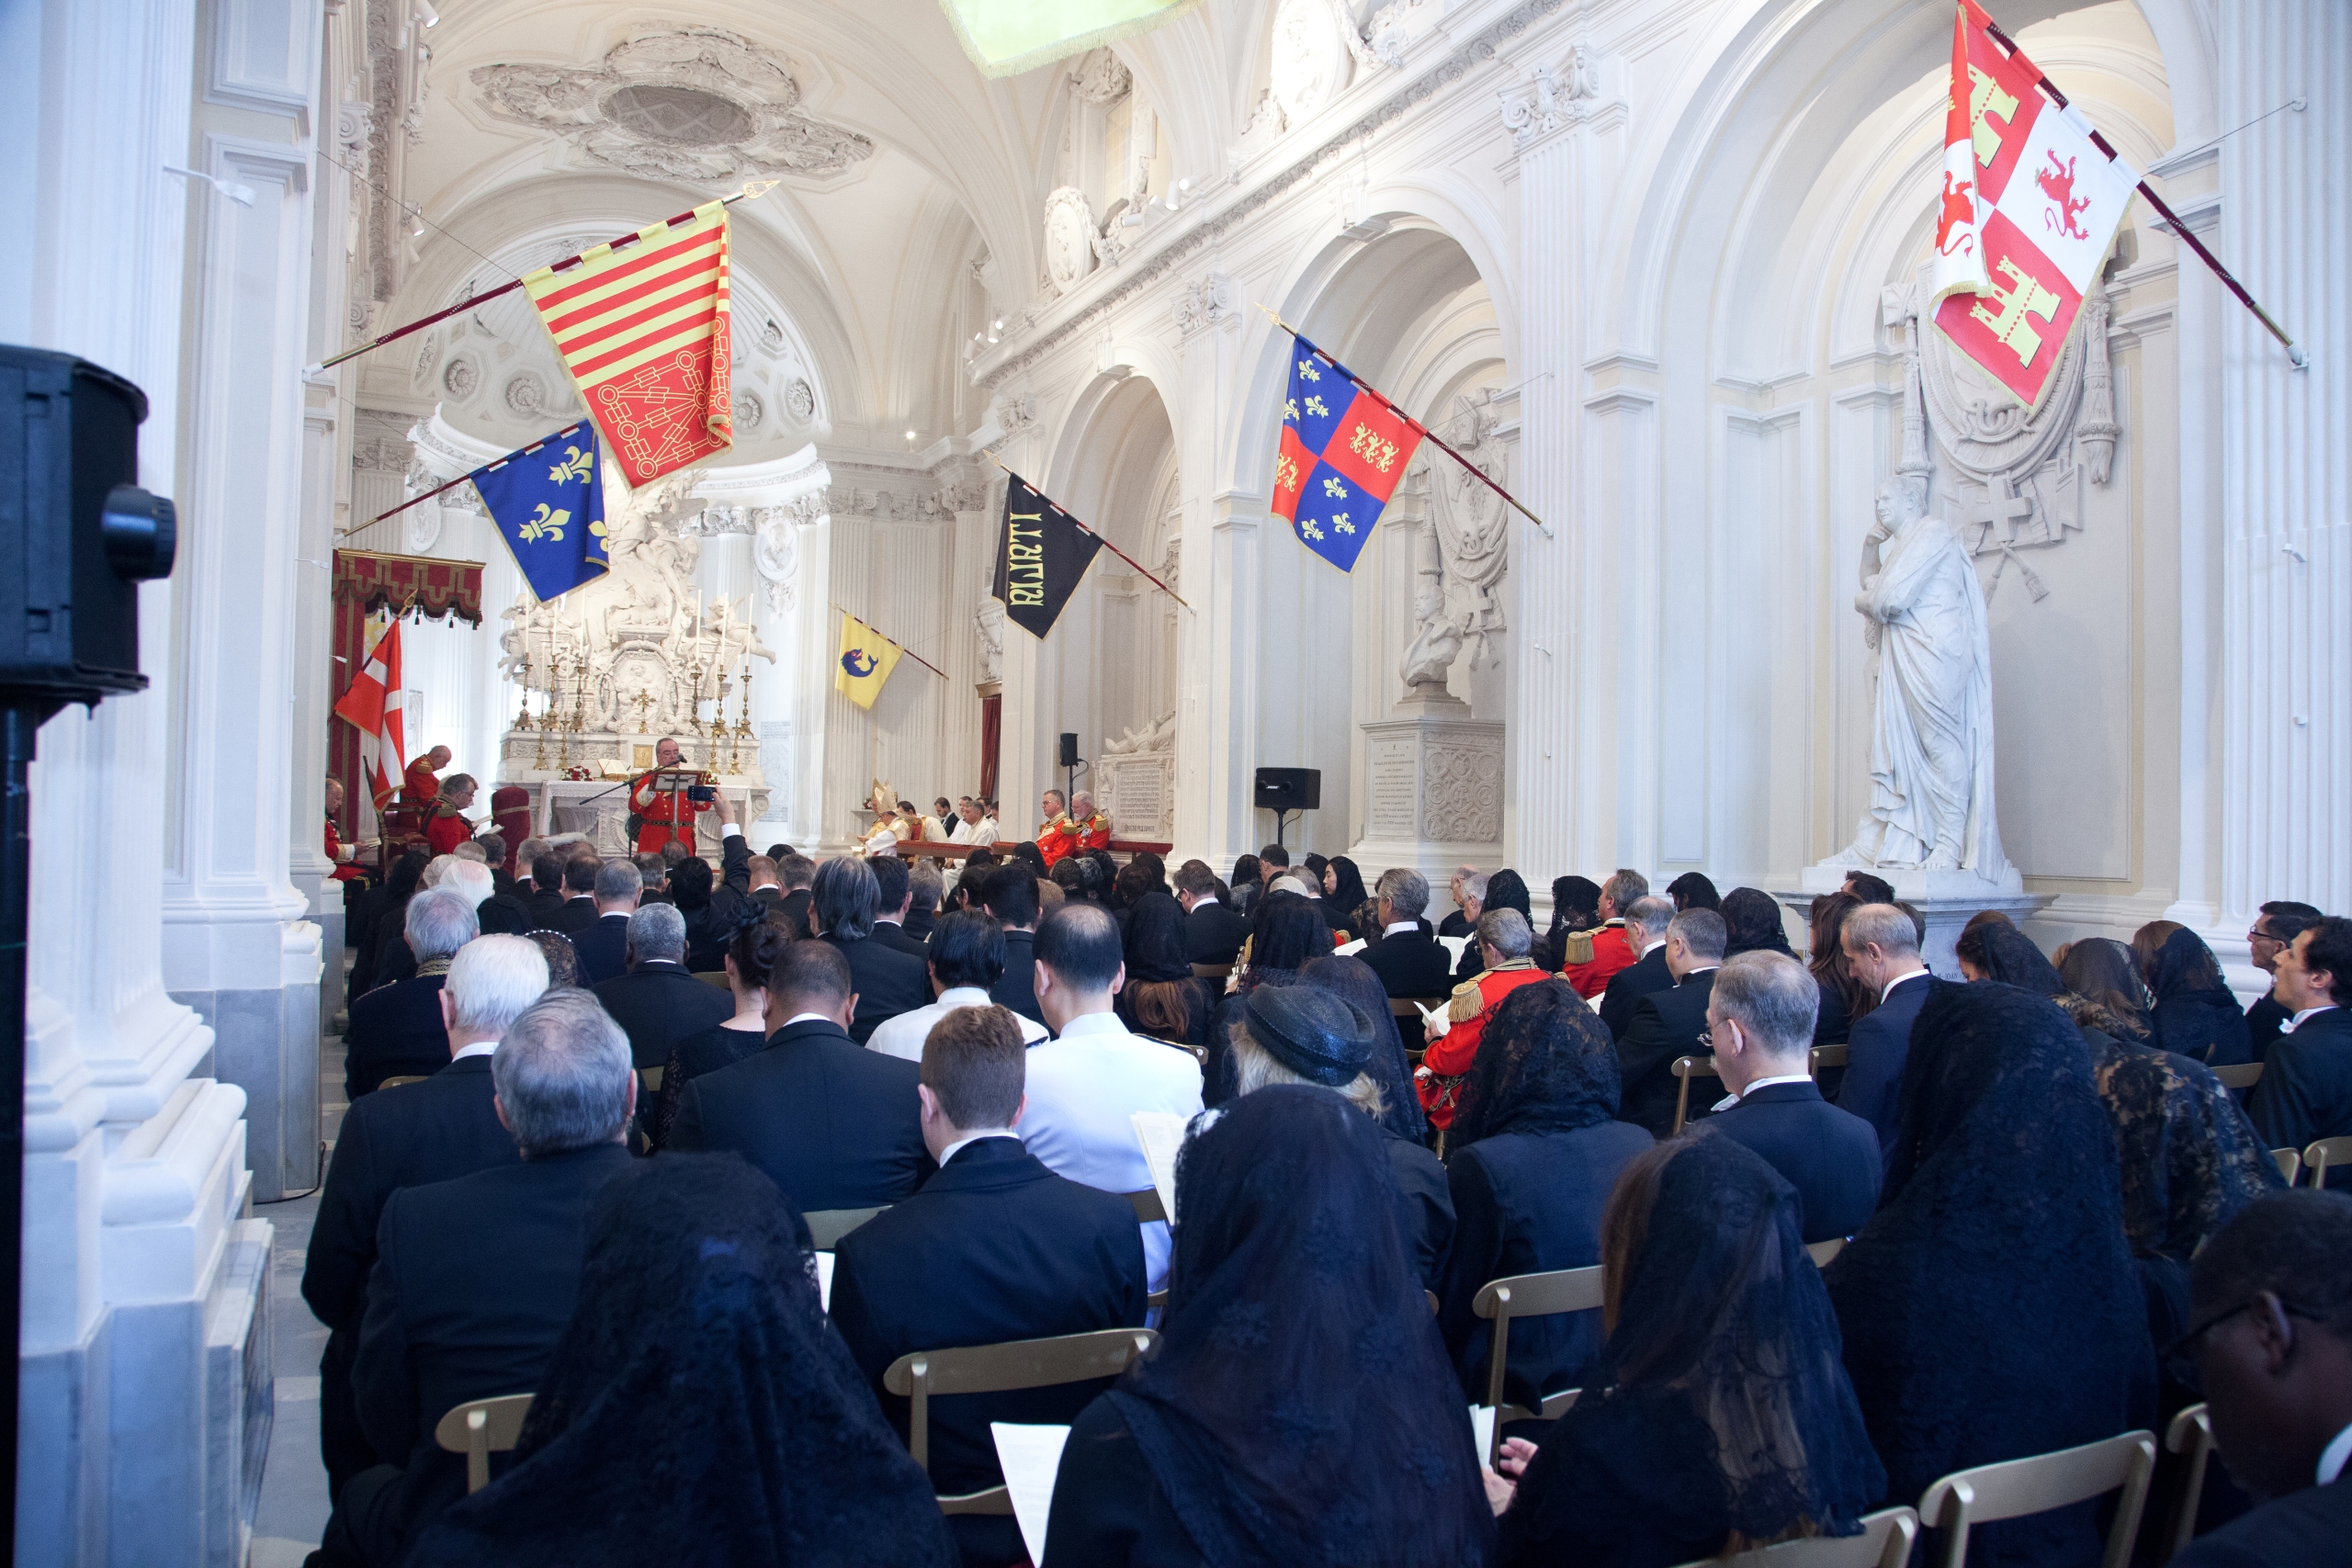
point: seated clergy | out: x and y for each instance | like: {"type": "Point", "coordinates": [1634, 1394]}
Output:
{"type": "Point", "coordinates": [833, 1124]}
{"type": "Point", "coordinates": [965, 958]}
{"type": "Point", "coordinates": [1760, 1016]}
{"type": "Point", "coordinates": [657, 1002]}
{"type": "Point", "coordinates": [475, 1277]}
{"type": "Point", "coordinates": [1503, 941]}
{"type": "Point", "coordinates": [1665, 1025]}
{"type": "Point", "coordinates": [2305, 1091]}
{"type": "Point", "coordinates": [401, 1137]}
{"type": "Point", "coordinates": [885, 982]}
{"type": "Point", "coordinates": [1086, 1082]}
{"type": "Point", "coordinates": [1646, 921]}
{"type": "Point", "coordinates": [397, 1029]}
{"type": "Point", "coordinates": [603, 946]}
{"type": "Point", "coordinates": [995, 1247]}
{"type": "Point", "coordinates": [1882, 952]}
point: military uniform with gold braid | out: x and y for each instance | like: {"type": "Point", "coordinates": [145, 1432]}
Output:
{"type": "Point", "coordinates": [663, 815]}
{"type": "Point", "coordinates": [1448, 1058]}
{"type": "Point", "coordinates": [1067, 835]}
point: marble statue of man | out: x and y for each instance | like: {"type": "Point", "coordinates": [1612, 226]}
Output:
{"type": "Point", "coordinates": [1931, 745]}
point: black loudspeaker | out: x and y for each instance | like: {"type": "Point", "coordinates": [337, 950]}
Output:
{"type": "Point", "coordinates": [77, 535]}
{"type": "Point", "coordinates": [1290, 789]}
{"type": "Point", "coordinates": [1069, 749]}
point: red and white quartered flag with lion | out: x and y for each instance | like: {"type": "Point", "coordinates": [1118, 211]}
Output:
{"type": "Point", "coordinates": [2030, 205]}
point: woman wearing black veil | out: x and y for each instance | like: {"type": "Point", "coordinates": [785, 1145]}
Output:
{"type": "Point", "coordinates": [1693, 890]}
{"type": "Point", "coordinates": [1161, 999]}
{"type": "Point", "coordinates": [2102, 970]}
{"type": "Point", "coordinates": [1752, 923]}
{"type": "Point", "coordinates": [1286, 930]}
{"type": "Point", "coordinates": [1344, 897]}
{"type": "Point", "coordinates": [1297, 1411]}
{"type": "Point", "coordinates": [1719, 1417]}
{"type": "Point", "coordinates": [1505, 890]}
{"type": "Point", "coordinates": [1991, 1309]}
{"type": "Point", "coordinates": [2195, 1013]}
{"type": "Point", "coordinates": [1575, 907]}
{"type": "Point", "coordinates": [1534, 1148]}
{"type": "Point", "coordinates": [698, 1409]}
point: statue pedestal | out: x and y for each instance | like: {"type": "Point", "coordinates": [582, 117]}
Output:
{"type": "Point", "coordinates": [1947, 899]}
{"type": "Point", "coordinates": [1435, 789]}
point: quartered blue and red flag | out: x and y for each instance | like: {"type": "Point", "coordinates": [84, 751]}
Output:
{"type": "Point", "coordinates": [1343, 451]}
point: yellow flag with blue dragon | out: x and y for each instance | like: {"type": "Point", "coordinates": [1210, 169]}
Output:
{"type": "Point", "coordinates": [866, 660]}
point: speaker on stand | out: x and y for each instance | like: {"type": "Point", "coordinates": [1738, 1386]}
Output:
{"type": "Point", "coordinates": [1070, 764]}
{"type": "Point", "coordinates": [1285, 790]}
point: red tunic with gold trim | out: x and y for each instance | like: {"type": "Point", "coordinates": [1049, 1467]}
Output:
{"type": "Point", "coordinates": [418, 786]}
{"type": "Point", "coordinates": [1589, 958]}
{"type": "Point", "coordinates": [663, 815]}
{"type": "Point", "coordinates": [1447, 1061]}
{"type": "Point", "coordinates": [445, 828]}
{"type": "Point", "coordinates": [344, 870]}
{"type": "Point", "coordinates": [1067, 835]}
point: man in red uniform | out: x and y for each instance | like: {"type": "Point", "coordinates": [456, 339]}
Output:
{"type": "Point", "coordinates": [344, 870]}
{"type": "Point", "coordinates": [1503, 940]}
{"type": "Point", "coordinates": [1591, 958]}
{"type": "Point", "coordinates": [663, 815]}
{"type": "Point", "coordinates": [445, 825]}
{"type": "Point", "coordinates": [419, 787]}
{"type": "Point", "coordinates": [1073, 831]}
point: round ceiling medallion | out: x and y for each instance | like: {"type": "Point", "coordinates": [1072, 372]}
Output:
{"type": "Point", "coordinates": [683, 116]}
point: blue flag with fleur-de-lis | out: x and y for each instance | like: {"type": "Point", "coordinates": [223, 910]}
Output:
{"type": "Point", "coordinates": [548, 502]}
{"type": "Point", "coordinates": [1342, 451]}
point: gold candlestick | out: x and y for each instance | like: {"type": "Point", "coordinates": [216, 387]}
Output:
{"type": "Point", "coordinates": [742, 721]}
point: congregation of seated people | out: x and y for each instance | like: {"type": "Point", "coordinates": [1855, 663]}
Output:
{"type": "Point", "coordinates": [745, 1176]}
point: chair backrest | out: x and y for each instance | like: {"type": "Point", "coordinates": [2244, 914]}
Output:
{"type": "Point", "coordinates": [1686, 1068]}
{"type": "Point", "coordinates": [399, 1078]}
{"type": "Point", "coordinates": [648, 1079]}
{"type": "Point", "coordinates": [2320, 1152]}
{"type": "Point", "coordinates": [480, 1428]}
{"type": "Point", "coordinates": [827, 1226]}
{"type": "Point", "coordinates": [2042, 1481]}
{"type": "Point", "coordinates": [1000, 1369]}
{"type": "Point", "coordinates": [1885, 1542]}
{"type": "Point", "coordinates": [714, 977]}
{"type": "Point", "coordinates": [1822, 1056]}
{"type": "Point", "coordinates": [1822, 1252]}
{"type": "Point", "coordinates": [1147, 1206]}
{"type": "Point", "coordinates": [1530, 1295]}
{"type": "Point", "coordinates": [1211, 971]}
{"type": "Point", "coordinates": [1411, 1006]}
{"type": "Point", "coordinates": [2245, 1074]}
{"type": "Point", "coordinates": [2192, 1433]}
{"type": "Point", "coordinates": [2289, 1163]}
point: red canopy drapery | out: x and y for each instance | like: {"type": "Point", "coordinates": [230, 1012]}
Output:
{"type": "Point", "coordinates": [365, 582]}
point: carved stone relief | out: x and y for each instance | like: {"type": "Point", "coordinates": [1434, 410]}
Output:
{"type": "Point", "coordinates": [1069, 238]}
{"type": "Point", "coordinates": [460, 376]}
{"type": "Point", "coordinates": [749, 412]}
{"type": "Point", "coordinates": [1204, 304]}
{"type": "Point", "coordinates": [1312, 63]}
{"type": "Point", "coordinates": [1461, 788]}
{"type": "Point", "coordinates": [695, 104]}
{"type": "Point", "coordinates": [800, 402]}
{"type": "Point", "coordinates": [1099, 78]}
{"type": "Point", "coordinates": [525, 394]}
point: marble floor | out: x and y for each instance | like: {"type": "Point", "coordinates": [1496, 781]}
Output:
{"type": "Point", "coordinates": [292, 1513]}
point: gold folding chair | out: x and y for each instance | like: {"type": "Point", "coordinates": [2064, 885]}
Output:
{"type": "Point", "coordinates": [1885, 1542]}
{"type": "Point", "coordinates": [2289, 1162]}
{"type": "Point", "coordinates": [923, 1376]}
{"type": "Point", "coordinates": [1823, 1251]}
{"type": "Point", "coordinates": [2192, 1433]}
{"type": "Point", "coordinates": [2320, 1152]}
{"type": "Point", "coordinates": [399, 1078]}
{"type": "Point", "coordinates": [1822, 1056]}
{"type": "Point", "coordinates": [2042, 1481]}
{"type": "Point", "coordinates": [648, 1079]}
{"type": "Point", "coordinates": [2245, 1074]}
{"type": "Point", "coordinates": [1686, 1068]}
{"type": "Point", "coordinates": [480, 1428]}
{"type": "Point", "coordinates": [716, 977]}
{"type": "Point", "coordinates": [1211, 971]}
{"type": "Point", "coordinates": [1530, 1295]}
{"type": "Point", "coordinates": [827, 1226]}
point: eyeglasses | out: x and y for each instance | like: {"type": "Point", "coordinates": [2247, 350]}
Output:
{"type": "Point", "coordinates": [2184, 1358]}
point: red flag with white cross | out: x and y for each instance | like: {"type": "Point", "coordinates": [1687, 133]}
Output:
{"type": "Point", "coordinates": [2030, 207]}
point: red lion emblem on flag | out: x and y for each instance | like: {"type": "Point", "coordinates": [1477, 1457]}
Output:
{"type": "Point", "coordinates": [1958, 211]}
{"type": "Point", "coordinates": [2057, 183]}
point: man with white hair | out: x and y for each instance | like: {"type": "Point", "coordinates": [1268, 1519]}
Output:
{"type": "Point", "coordinates": [603, 947]}
{"type": "Point", "coordinates": [395, 1030]}
{"type": "Point", "coordinates": [403, 1137]}
{"type": "Point", "coordinates": [498, 914]}
{"type": "Point", "coordinates": [1071, 832]}
{"type": "Point", "coordinates": [1646, 920]}
{"type": "Point", "coordinates": [1883, 953]}
{"type": "Point", "coordinates": [659, 1002]}
{"type": "Point", "coordinates": [477, 1276]}
{"type": "Point", "coordinates": [1760, 1019]}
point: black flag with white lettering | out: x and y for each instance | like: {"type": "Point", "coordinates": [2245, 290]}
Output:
{"type": "Point", "coordinates": [1041, 554]}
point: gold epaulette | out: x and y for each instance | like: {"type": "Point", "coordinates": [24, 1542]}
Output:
{"type": "Point", "coordinates": [1468, 1002]}
{"type": "Point", "coordinates": [1575, 947]}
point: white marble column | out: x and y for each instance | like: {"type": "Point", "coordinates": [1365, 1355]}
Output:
{"type": "Point", "coordinates": [1218, 673]}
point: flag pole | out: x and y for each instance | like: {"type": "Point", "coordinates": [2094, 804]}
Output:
{"type": "Point", "coordinates": [1089, 532]}
{"type": "Point", "coordinates": [2295, 354]}
{"type": "Point", "coordinates": [750, 192]}
{"type": "Point", "coordinates": [1425, 432]}
{"type": "Point", "coordinates": [909, 652]}
{"type": "Point", "coordinates": [571, 429]}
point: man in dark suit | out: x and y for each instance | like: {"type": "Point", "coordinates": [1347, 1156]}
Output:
{"type": "Point", "coordinates": [714, 907]}
{"type": "Point", "coordinates": [995, 1247]}
{"type": "Point", "coordinates": [1213, 934]}
{"type": "Point", "coordinates": [603, 947]}
{"type": "Point", "coordinates": [1665, 1025]}
{"type": "Point", "coordinates": [893, 897]}
{"type": "Point", "coordinates": [926, 884]}
{"type": "Point", "coordinates": [657, 1002]}
{"type": "Point", "coordinates": [2279, 924]}
{"type": "Point", "coordinates": [475, 1277]}
{"type": "Point", "coordinates": [835, 1125]}
{"type": "Point", "coordinates": [395, 1030]}
{"type": "Point", "coordinates": [1760, 1016]}
{"type": "Point", "coordinates": [1408, 959]}
{"type": "Point", "coordinates": [797, 872]}
{"type": "Point", "coordinates": [2277, 1377]}
{"type": "Point", "coordinates": [545, 904]}
{"type": "Point", "coordinates": [2305, 1091]}
{"type": "Point", "coordinates": [1882, 950]}
{"type": "Point", "coordinates": [887, 981]}
{"type": "Point", "coordinates": [1010, 896]}
{"type": "Point", "coordinates": [579, 891]}
{"type": "Point", "coordinates": [497, 914]}
{"type": "Point", "coordinates": [763, 885]}
{"type": "Point", "coordinates": [1646, 918]}
{"type": "Point", "coordinates": [432, 1131]}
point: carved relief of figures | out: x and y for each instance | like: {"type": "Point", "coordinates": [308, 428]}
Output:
{"type": "Point", "coordinates": [987, 620]}
{"type": "Point", "coordinates": [1462, 554]}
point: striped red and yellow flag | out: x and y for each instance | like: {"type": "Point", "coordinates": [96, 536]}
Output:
{"type": "Point", "coordinates": [644, 332]}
